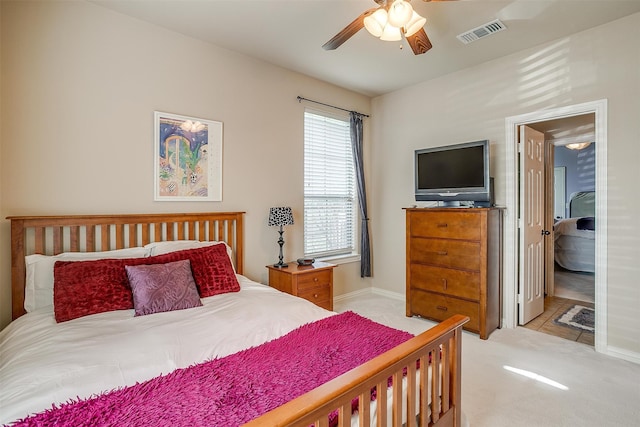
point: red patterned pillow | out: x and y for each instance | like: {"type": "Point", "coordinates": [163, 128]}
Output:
{"type": "Point", "coordinates": [211, 266]}
{"type": "Point", "coordinates": [82, 288]}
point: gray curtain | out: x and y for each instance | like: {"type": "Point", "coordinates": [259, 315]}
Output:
{"type": "Point", "coordinates": [356, 145]}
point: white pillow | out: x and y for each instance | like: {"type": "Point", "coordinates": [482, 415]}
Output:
{"type": "Point", "coordinates": [159, 248]}
{"type": "Point", "coordinates": [39, 284]}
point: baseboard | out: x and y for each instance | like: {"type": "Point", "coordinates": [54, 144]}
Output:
{"type": "Point", "coordinates": [389, 294]}
{"type": "Point", "coordinates": [362, 292]}
{"type": "Point", "coordinates": [353, 294]}
{"type": "Point", "coordinates": [621, 353]}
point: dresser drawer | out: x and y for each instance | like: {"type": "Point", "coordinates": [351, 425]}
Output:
{"type": "Point", "coordinates": [312, 280]}
{"type": "Point", "coordinates": [318, 295]}
{"type": "Point", "coordinates": [458, 283]}
{"type": "Point", "coordinates": [446, 253]}
{"type": "Point", "coordinates": [450, 225]}
{"type": "Point", "coordinates": [439, 307]}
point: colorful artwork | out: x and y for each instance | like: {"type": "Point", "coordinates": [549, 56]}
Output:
{"type": "Point", "coordinates": [187, 158]}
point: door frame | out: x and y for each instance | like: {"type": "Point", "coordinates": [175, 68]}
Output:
{"type": "Point", "coordinates": [511, 260]}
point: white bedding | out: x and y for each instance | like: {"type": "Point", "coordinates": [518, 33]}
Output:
{"type": "Point", "coordinates": [569, 227]}
{"type": "Point", "coordinates": [574, 249]}
{"type": "Point", "coordinates": [42, 362]}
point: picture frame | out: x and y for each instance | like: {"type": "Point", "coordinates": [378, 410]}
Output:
{"type": "Point", "coordinates": [187, 158]}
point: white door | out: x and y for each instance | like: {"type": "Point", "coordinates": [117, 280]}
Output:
{"type": "Point", "coordinates": [532, 232]}
{"type": "Point", "coordinates": [559, 192]}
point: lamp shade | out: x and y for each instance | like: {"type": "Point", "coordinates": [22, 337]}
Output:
{"type": "Point", "coordinates": [414, 25]}
{"type": "Point", "coordinates": [399, 13]}
{"type": "Point", "coordinates": [391, 33]}
{"type": "Point", "coordinates": [375, 22]}
{"type": "Point", "coordinates": [280, 216]}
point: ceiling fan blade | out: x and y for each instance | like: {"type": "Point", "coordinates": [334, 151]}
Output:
{"type": "Point", "coordinates": [419, 42]}
{"type": "Point", "coordinates": [348, 31]}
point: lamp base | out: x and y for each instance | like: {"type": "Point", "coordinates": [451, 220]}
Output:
{"type": "Point", "coordinates": [281, 265]}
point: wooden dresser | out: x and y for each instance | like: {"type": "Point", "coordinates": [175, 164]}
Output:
{"type": "Point", "coordinates": [313, 282]}
{"type": "Point", "coordinates": [454, 265]}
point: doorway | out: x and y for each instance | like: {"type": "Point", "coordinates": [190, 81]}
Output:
{"type": "Point", "coordinates": [511, 242]}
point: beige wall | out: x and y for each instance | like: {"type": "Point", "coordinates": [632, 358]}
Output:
{"type": "Point", "coordinates": [79, 87]}
{"type": "Point", "coordinates": [472, 104]}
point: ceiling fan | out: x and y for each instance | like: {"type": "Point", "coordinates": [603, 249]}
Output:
{"type": "Point", "coordinates": [390, 21]}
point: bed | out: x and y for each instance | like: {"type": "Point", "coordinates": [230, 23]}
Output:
{"type": "Point", "coordinates": [574, 237]}
{"type": "Point", "coordinates": [53, 369]}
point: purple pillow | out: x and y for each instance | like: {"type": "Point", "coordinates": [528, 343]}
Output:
{"type": "Point", "coordinates": [162, 287]}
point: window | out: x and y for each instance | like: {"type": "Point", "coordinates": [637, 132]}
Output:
{"type": "Point", "coordinates": [329, 185]}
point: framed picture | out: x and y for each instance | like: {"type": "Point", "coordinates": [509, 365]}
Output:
{"type": "Point", "coordinates": [188, 158]}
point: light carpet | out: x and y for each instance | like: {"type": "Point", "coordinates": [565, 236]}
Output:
{"type": "Point", "coordinates": [600, 390]}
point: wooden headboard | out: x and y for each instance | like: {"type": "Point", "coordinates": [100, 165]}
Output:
{"type": "Point", "coordinates": [51, 235]}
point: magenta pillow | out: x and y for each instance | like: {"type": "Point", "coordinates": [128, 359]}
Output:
{"type": "Point", "coordinates": [82, 288]}
{"type": "Point", "coordinates": [211, 267]}
{"type": "Point", "coordinates": [162, 287]}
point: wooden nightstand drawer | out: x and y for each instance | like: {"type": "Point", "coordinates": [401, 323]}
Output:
{"type": "Point", "coordinates": [450, 225]}
{"type": "Point", "coordinates": [318, 295]}
{"type": "Point", "coordinates": [315, 279]}
{"type": "Point", "coordinates": [439, 307]}
{"type": "Point", "coordinates": [458, 283]}
{"type": "Point", "coordinates": [446, 253]}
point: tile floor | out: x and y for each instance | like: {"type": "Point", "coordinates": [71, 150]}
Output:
{"type": "Point", "coordinates": [554, 307]}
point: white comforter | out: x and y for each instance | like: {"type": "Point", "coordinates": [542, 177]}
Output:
{"type": "Point", "coordinates": [42, 362]}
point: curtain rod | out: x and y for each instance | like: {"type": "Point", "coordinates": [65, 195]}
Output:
{"type": "Point", "coordinates": [300, 99]}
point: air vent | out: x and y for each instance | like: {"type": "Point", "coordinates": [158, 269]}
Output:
{"type": "Point", "coordinates": [481, 31]}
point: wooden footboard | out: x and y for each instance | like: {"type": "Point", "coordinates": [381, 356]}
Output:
{"type": "Point", "coordinates": [441, 345]}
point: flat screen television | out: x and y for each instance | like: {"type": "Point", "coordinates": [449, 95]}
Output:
{"type": "Point", "coordinates": [453, 174]}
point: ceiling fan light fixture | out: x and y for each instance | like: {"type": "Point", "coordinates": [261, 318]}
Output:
{"type": "Point", "coordinates": [376, 22]}
{"type": "Point", "coordinates": [391, 33]}
{"type": "Point", "coordinates": [578, 145]}
{"type": "Point", "coordinates": [400, 13]}
{"type": "Point", "coordinates": [414, 25]}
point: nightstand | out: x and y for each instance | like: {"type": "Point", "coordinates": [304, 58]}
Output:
{"type": "Point", "coordinates": [311, 282]}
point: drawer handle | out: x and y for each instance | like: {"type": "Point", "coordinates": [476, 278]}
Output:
{"type": "Point", "coordinates": [315, 295]}
{"type": "Point", "coordinates": [444, 283]}
{"type": "Point", "coordinates": [442, 252]}
{"type": "Point", "coordinates": [445, 225]}
{"type": "Point", "coordinates": [315, 279]}
{"type": "Point", "coordinates": [441, 307]}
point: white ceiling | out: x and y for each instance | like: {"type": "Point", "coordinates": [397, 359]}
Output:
{"type": "Point", "coordinates": [290, 33]}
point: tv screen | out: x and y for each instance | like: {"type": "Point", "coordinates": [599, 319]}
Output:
{"type": "Point", "coordinates": [453, 173]}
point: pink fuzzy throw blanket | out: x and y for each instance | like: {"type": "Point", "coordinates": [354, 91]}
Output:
{"type": "Point", "coordinates": [238, 388]}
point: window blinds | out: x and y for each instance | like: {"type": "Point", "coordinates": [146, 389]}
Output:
{"type": "Point", "coordinates": [329, 185]}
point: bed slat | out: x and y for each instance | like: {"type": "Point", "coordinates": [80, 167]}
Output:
{"type": "Point", "coordinates": [397, 398]}
{"type": "Point", "coordinates": [39, 239]}
{"type": "Point", "coordinates": [90, 242]}
{"type": "Point", "coordinates": [423, 408]}
{"type": "Point", "coordinates": [445, 369]}
{"type": "Point", "coordinates": [104, 237]}
{"type": "Point", "coordinates": [57, 240]}
{"type": "Point", "coordinates": [435, 385]}
{"type": "Point", "coordinates": [411, 394]}
{"type": "Point", "coordinates": [381, 396]}
{"type": "Point", "coordinates": [364, 409]}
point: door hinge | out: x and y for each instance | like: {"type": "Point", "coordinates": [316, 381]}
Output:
{"type": "Point", "coordinates": [520, 299]}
